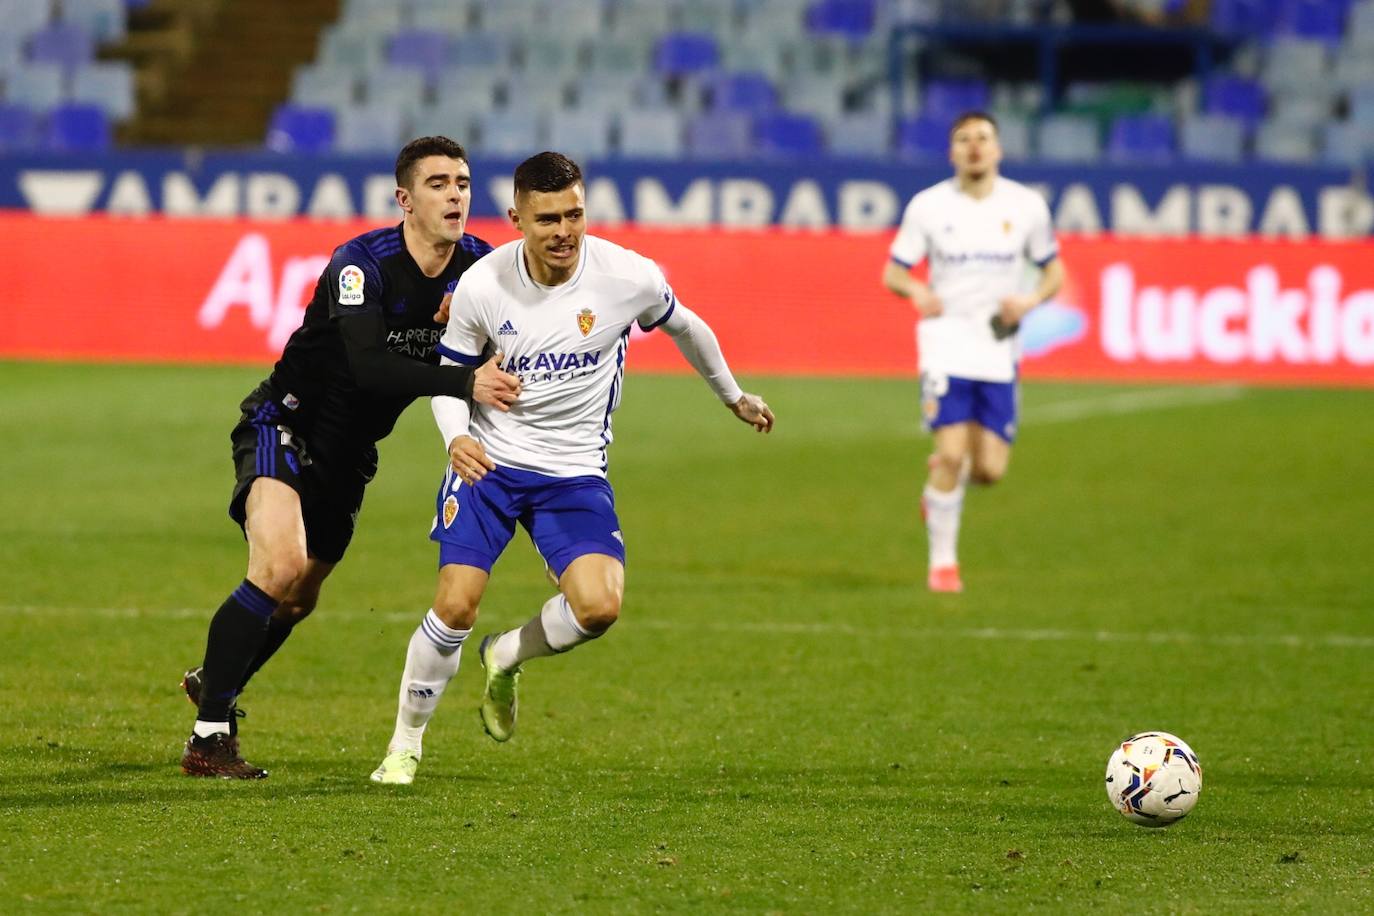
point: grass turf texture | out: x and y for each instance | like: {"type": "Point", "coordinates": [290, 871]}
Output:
{"type": "Point", "coordinates": [784, 720]}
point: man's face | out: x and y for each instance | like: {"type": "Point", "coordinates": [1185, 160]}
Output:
{"type": "Point", "coordinates": [438, 199]}
{"type": "Point", "coordinates": [974, 150]}
{"type": "Point", "coordinates": [553, 224]}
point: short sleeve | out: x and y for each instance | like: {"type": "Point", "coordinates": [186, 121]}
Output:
{"type": "Point", "coordinates": [1042, 246]}
{"type": "Point", "coordinates": [658, 296]}
{"type": "Point", "coordinates": [464, 338]}
{"type": "Point", "coordinates": [909, 246]}
{"type": "Point", "coordinates": [354, 281]}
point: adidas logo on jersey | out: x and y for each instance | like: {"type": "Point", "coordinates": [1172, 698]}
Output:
{"type": "Point", "coordinates": [507, 328]}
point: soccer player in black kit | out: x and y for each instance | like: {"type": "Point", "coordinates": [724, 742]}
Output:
{"type": "Point", "coordinates": [305, 446]}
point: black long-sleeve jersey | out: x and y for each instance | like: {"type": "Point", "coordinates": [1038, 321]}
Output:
{"type": "Point", "coordinates": [366, 348]}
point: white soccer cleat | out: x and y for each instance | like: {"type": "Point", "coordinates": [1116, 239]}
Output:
{"type": "Point", "coordinates": [397, 768]}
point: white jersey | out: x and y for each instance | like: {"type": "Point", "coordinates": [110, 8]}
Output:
{"type": "Point", "coordinates": [566, 343]}
{"type": "Point", "coordinates": [978, 252]}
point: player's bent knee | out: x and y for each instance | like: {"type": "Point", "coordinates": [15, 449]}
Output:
{"type": "Point", "coordinates": [456, 611]}
{"type": "Point", "coordinates": [296, 609]}
{"type": "Point", "coordinates": [276, 573]}
{"type": "Point", "coordinates": [597, 613]}
{"type": "Point", "coordinates": [986, 476]}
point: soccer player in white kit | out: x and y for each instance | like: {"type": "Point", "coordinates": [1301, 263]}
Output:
{"type": "Point", "coordinates": [558, 306]}
{"type": "Point", "coordinates": [979, 231]}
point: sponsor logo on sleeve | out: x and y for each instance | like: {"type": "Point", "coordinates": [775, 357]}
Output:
{"type": "Point", "coordinates": [351, 285]}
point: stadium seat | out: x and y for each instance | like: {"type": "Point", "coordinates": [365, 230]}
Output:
{"type": "Point", "coordinates": [404, 89]}
{"type": "Point", "coordinates": [642, 19]}
{"type": "Point", "coordinates": [1321, 20]}
{"type": "Point", "coordinates": [102, 19]}
{"type": "Point", "coordinates": [504, 133]}
{"type": "Point", "coordinates": [546, 54]}
{"type": "Point", "coordinates": [1068, 138]}
{"type": "Point", "coordinates": [774, 19]}
{"type": "Point", "coordinates": [447, 118]}
{"type": "Point", "coordinates": [372, 128]}
{"type": "Point", "coordinates": [77, 128]}
{"type": "Point", "coordinates": [1014, 134]}
{"type": "Point", "coordinates": [651, 133]}
{"type": "Point", "coordinates": [782, 134]}
{"type": "Point", "coordinates": [513, 17]}
{"type": "Point", "coordinates": [348, 47]}
{"type": "Point", "coordinates": [819, 96]}
{"type": "Point", "coordinates": [473, 88]}
{"type": "Point", "coordinates": [479, 49]}
{"type": "Point", "coordinates": [1141, 139]}
{"type": "Point", "coordinates": [1284, 143]}
{"type": "Point", "coordinates": [683, 53]}
{"type": "Point", "coordinates": [767, 55]}
{"type": "Point", "coordinates": [581, 134]}
{"type": "Point", "coordinates": [849, 19]}
{"type": "Point", "coordinates": [36, 86]}
{"type": "Point", "coordinates": [533, 93]}
{"type": "Point", "coordinates": [1346, 144]}
{"type": "Point", "coordinates": [323, 86]}
{"type": "Point", "coordinates": [300, 129]}
{"type": "Point", "coordinates": [109, 84]}
{"type": "Point", "coordinates": [749, 91]}
{"type": "Point", "coordinates": [867, 134]}
{"type": "Point", "coordinates": [1235, 96]}
{"type": "Point", "coordinates": [62, 43]}
{"type": "Point", "coordinates": [720, 135]}
{"type": "Point", "coordinates": [24, 17]}
{"type": "Point", "coordinates": [1212, 138]}
{"type": "Point", "coordinates": [18, 128]}
{"type": "Point", "coordinates": [947, 99]}
{"type": "Point", "coordinates": [1291, 62]}
{"type": "Point", "coordinates": [1305, 110]}
{"type": "Point", "coordinates": [714, 16]}
{"type": "Point", "coordinates": [923, 137]}
{"type": "Point", "coordinates": [1245, 18]}
{"type": "Point", "coordinates": [447, 18]}
{"type": "Point", "coordinates": [622, 56]}
{"type": "Point", "coordinates": [603, 92]}
{"type": "Point", "coordinates": [427, 52]}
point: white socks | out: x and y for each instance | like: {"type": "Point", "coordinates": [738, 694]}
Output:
{"type": "Point", "coordinates": [554, 629]}
{"type": "Point", "coordinates": [942, 524]}
{"type": "Point", "coordinates": [431, 662]}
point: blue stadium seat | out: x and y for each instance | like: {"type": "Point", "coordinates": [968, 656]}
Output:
{"type": "Point", "coordinates": [948, 99]}
{"type": "Point", "coordinates": [720, 135]}
{"type": "Point", "coordinates": [62, 43]}
{"type": "Point", "coordinates": [77, 128]}
{"type": "Point", "coordinates": [851, 19]}
{"type": "Point", "coordinates": [18, 128]}
{"type": "Point", "coordinates": [748, 91]}
{"type": "Point", "coordinates": [923, 137]}
{"type": "Point", "coordinates": [1321, 20]}
{"type": "Point", "coordinates": [300, 129]}
{"type": "Point", "coordinates": [416, 49]}
{"type": "Point", "coordinates": [1142, 139]}
{"type": "Point", "coordinates": [1235, 96]}
{"type": "Point", "coordinates": [109, 84]}
{"type": "Point", "coordinates": [788, 135]}
{"type": "Point", "coordinates": [683, 53]}
{"type": "Point", "coordinates": [1246, 18]}
{"type": "Point", "coordinates": [103, 19]}
{"type": "Point", "coordinates": [654, 133]}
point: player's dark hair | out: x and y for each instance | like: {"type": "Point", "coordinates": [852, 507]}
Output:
{"type": "Point", "coordinates": [972, 116]}
{"type": "Point", "coordinates": [421, 147]}
{"type": "Point", "coordinates": [546, 172]}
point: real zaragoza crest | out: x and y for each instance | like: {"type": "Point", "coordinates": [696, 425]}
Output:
{"type": "Point", "coordinates": [450, 509]}
{"type": "Point", "coordinates": [585, 319]}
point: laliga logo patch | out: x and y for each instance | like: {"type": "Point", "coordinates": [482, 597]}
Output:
{"type": "Point", "coordinates": [450, 509]}
{"type": "Point", "coordinates": [351, 286]}
{"type": "Point", "coordinates": [585, 319]}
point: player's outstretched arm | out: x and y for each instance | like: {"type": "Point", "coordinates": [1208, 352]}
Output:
{"type": "Point", "coordinates": [379, 371]}
{"type": "Point", "coordinates": [699, 346]}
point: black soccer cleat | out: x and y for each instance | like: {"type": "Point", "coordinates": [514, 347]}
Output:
{"type": "Point", "coordinates": [217, 757]}
{"type": "Point", "coordinates": [193, 683]}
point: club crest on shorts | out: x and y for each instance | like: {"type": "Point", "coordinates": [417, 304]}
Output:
{"type": "Point", "coordinates": [450, 509]}
{"type": "Point", "coordinates": [585, 319]}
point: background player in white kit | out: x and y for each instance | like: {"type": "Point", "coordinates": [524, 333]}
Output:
{"type": "Point", "coordinates": [978, 230]}
{"type": "Point", "coordinates": [559, 306]}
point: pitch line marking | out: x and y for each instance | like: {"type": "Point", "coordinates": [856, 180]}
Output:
{"type": "Point", "coordinates": [818, 628]}
{"type": "Point", "coordinates": [1129, 402]}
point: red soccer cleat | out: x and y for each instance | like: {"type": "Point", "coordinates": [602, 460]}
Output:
{"type": "Point", "coordinates": [945, 579]}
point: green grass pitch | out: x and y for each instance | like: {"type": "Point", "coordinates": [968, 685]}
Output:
{"type": "Point", "coordinates": [784, 720]}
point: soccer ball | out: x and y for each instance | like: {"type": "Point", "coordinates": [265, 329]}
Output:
{"type": "Point", "coordinates": [1153, 779]}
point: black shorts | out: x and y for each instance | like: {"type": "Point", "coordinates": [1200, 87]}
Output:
{"type": "Point", "coordinates": [330, 478]}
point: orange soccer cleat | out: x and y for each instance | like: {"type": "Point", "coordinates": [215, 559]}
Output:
{"type": "Point", "coordinates": [945, 579]}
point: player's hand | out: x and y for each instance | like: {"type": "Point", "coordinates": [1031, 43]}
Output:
{"type": "Point", "coordinates": [493, 386]}
{"type": "Point", "coordinates": [926, 303]}
{"type": "Point", "coordinates": [752, 410]}
{"type": "Point", "coordinates": [469, 459]}
{"type": "Point", "coordinates": [441, 316]}
{"type": "Point", "coordinates": [1013, 308]}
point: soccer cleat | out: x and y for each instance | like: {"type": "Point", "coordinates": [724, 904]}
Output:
{"type": "Point", "coordinates": [217, 757]}
{"type": "Point", "coordinates": [499, 703]}
{"type": "Point", "coordinates": [397, 768]}
{"type": "Point", "coordinates": [945, 579]}
{"type": "Point", "coordinates": [192, 682]}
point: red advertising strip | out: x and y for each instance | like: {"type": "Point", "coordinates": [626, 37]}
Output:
{"type": "Point", "coordinates": [104, 288]}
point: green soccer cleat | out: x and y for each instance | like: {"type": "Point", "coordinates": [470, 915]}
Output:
{"type": "Point", "coordinates": [397, 769]}
{"type": "Point", "coordinates": [499, 702]}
